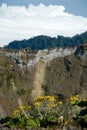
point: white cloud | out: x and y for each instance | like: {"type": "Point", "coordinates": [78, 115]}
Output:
{"type": "Point", "coordinates": [18, 22]}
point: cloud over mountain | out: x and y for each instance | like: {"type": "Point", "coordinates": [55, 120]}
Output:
{"type": "Point", "coordinates": [19, 22]}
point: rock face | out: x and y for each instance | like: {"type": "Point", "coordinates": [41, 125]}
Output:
{"type": "Point", "coordinates": [81, 51]}
{"type": "Point", "coordinates": [25, 74]}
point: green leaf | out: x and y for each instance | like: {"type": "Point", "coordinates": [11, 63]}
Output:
{"type": "Point", "coordinates": [32, 123]}
{"type": "Point", "coordinates": [82, 103]}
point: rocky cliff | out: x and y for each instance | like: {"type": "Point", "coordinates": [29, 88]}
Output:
{"type": "Point", "coordinates": [25, 74]}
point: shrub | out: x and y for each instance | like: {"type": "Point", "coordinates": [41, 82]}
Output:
{"type": "Point", "coordinates": [48, 111]}
{"type": "Point", "coordinates": [81, 116]}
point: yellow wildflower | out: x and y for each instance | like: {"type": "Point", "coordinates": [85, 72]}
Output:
{"type": "Point", "coordinates": [16, 112]}
{"type": "Point", "coordinates": [52, 105]}
{"type": "Point", "coordinates": [25, 107]}
{"type": "Point", "coordinates": [52, 99]}
{"type": "Point", "coordinates": [37, 103]}
{"type": "Point", "coordinates": [41, 98]}
{"type": "Point", "coordinates": [60, 103]}
{"type": "Point", "coordinates": [75, 98]}
{"type": "Point", "coordinates": [71, 98]}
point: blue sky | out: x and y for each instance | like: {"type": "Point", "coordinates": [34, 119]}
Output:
{"type": "Point", "coordinates": [77, 7]}
{"type": "Point", "coordinates": [23, 19]}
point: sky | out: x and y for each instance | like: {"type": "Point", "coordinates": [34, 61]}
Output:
{"type": "Point", "coordinates": [23, 19]}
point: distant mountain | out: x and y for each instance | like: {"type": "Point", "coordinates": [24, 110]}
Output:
{"type": "Point", "coordinates": [44, 42]}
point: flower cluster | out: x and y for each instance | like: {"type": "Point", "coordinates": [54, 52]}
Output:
{"type": "Point", "coordinates": [42, 98]}
{"type": "Point", "coordinates": [21, 110]}
{"type": "Point", "coordinates": [74, 99]}
{"type": "Point", "coordinates": [49, 109]}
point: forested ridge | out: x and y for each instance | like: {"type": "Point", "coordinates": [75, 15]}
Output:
{"type": "Point", "coordinates": [45, 42]}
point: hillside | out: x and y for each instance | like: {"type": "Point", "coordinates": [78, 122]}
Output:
{"type": "Point", "coordinates": [45, 42]}
{"type": "Point", "coordinates": [26, 74]}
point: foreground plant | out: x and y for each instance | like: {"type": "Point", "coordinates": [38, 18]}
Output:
{"type": "Point", "coordinates": [81, 116]}
{"type": "Point", "coordinates": [46, 111]}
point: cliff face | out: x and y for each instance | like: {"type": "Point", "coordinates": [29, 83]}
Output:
{"type": "Point", "coordinates": [67, 76]}
{"type": "Point", "coordinates": [25, 74]}
{"type": "Point", "coordinates": [15, 84]}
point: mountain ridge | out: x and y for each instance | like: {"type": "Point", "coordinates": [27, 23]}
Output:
{"type": "Point", "coordinates": [46, 42]}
